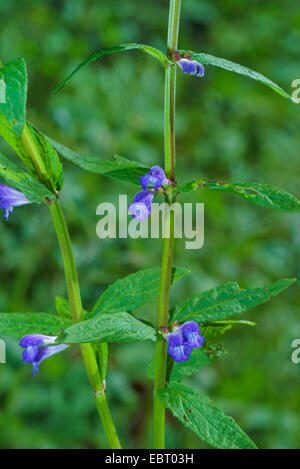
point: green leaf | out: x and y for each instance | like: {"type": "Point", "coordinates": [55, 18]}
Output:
{"type": "Point", "coordinates": [63, 307]}
{"type": "Point", "coordinates": [15, 143]}
{"type": "Point", "coordinates": [21, 180]}
{"type": "Point", "coordinates": [120, 169]}
{"type": "Point", "coordinates": [49, 156]}
{"type": "Point", "coordinates": [207, 59]}
{"type": "Point", "coordinates": [128, 293]}
{"type": "Point", "coordinates": [13, 109]}
{"type": "Point", "coordinates": [198, 413]}
{"type": "Point", "coordinates": [2, 91]}
{"type": "Point", "coordinates": [121, 48]}
{"type": "Point", "coordinates": [20, 324]}
{"type": "Point", "coordinates": [101, 352]}
{"type": "Point", "coordinates": [199, 358]}
{"type": "Point", "coordinates": [264, 195]}
{"type": "Point", "coordinates": [119, 327]}
{"type": "Point", "coordinates": [214, 330]}
{"type": "Point", "coordinates": [226, 300]}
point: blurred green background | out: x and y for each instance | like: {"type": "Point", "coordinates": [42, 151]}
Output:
{"type": "Point", "coordinates": [227, 127]}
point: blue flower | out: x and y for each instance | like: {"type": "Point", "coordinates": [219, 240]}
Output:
{"type": "Point", "coordinates": [191, 67]}
{"type": "Point", "coordinates": [182, 341]}
{"type": "Point", "coordinates": [156, 176]}
{"type": "Point", "coordinates": [141, 205]}
{"type": "Point", "coordinates": [178, 348]}
{"type": "Point", "coordinates": [36, 349]}
{"type": "Point", "coordinates": [191, 334]}
{"type": "Point", "coordinates": [9, 198]}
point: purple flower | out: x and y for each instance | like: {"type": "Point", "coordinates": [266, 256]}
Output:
{"type": "Point", "coordinates": [36, 350]}
{"type": "Point", "coordinates": [191, 67]}
{"type": "Point", "coordinates": [156, 176]}
{"type": "Point", "coordinates": [182, 341]}
{"type": "Point", "coordinates": [178, 348]}
{"type": "Point", "coordinates": [9, 198]}
{"type": "Point", "coordinates": [191, 334]}
{"type": "Point", "coordinates": [141, 205]}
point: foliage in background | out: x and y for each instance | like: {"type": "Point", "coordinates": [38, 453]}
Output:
{"type": "Point", "coordinates": [244, 135]}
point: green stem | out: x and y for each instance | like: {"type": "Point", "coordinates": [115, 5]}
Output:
{"type": "Point", "coordinates": [98, 386]}
{"type": "Point", "coordinates": [90, 362]}
{"type": "Point", "coordinates": [168, 243]}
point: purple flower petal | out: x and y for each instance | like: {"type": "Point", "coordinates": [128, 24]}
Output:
{"type": "Point", "coordinates": [36, 340]}
{"type": "Point", "coordinates": [36, 349]}
{"type": "Point", "coordinates": [156, 176]}
{"type": "Point", "coordinates": [141, 205]}
{"type": "Point", "coordinates": [9, 198]}
{"type": "Point", "coordinates": [187, 66]}
{"type": "Point", "coordinates": [178, 349]}
{"type": "Point", "coordinates": [191, 334]}
{"type": "Point", "coordinates": [199, 69]}
{"type": "Point", "coordinates": [191, 67]}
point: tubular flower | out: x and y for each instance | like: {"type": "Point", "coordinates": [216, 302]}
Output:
{"type": "Point", "coordinates": [10, 198]}
{"type": "Point", "coordinates": [141, 205]}
{"type": "Point", "coordinates": [191, 67]}
{"type": "Point", "coordinates": [156, 176]}
{"type": "Point", "coordinates": [191, 334]}
{"type": "Point", "coordinates": [178, 348]}
{"type": "Point", "coordinates": [182, 341]}
{"type": "Point", "coordinates": [36, 349]}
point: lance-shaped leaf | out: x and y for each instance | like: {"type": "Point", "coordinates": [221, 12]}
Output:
{"type": "Point", "coordinates": [21, 180]}
{"type": "Point", "coordinates": [121, 48]}
{"type": "Point", "coordinates": [13, 108]}
{"type": "Point", "coordinates": [214, 330]}
{"type": "Point", "coordinates": [15, 142]}
{"type": "Point", "coordinates": [128, 293]}
{"type": "Point", "coordinates": [49, 156]}
{"type": "Point", "coordinates": [264, 195]}
{"type": "Point", "coordinates": [198, 413]}
{"type": "Point", "coordinates": [20, 324]}
{"type": "Point", "coordinates": [118, 327]}
{"type": "Point", "coordinates": [226, 300]}
{"type": "Point", "coordinates": [199, 358]}
{"type": "Point", "coordinates": [207, 59]}
{"type": "Point", "coordinates": [120, 169]}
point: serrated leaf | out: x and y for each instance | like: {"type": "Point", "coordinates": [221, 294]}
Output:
{"type": "Point", "coordinates": [199, 358]}
{"type": "Point", "coordinates": [198, 413]}
{"type": "Point", "coordinates": [49, 156]}
{"type": "Point", "coordinates": [208, 59]}
{"type": "Point", "coordinates": [128, 293]}
{"type": "Point", "coordinates": [16, 177]}
{"type": "Point", "coordinates": [226, 300]}
{"type": "Point", "coordinates": [121, 48]}
{"type": "Point", "coordinates": [14, 75]}
{"type": "Point", "coordinates": [119, 327]}
{"type": "Point", "coordinates": [264, 195]}
{"type": "Point", "coordinates": [20, 324]}
{"type": "Point", "coordinates": [120, 169]}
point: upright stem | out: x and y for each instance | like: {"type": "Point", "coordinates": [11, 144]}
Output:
{"type": "Point", "coordinates": [88, 355]}
{"type": "Point", "coordinates": [168, 242]}
{"type": "Point", "coordinates": [90, 362]}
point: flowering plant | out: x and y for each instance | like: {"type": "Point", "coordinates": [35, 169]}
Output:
{"type": "Point", "coordinates": [185, 338]}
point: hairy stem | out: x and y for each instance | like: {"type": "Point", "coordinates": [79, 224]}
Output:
{"type": "Point", "coordinates": [168, 242]}
{"type": "Point", "coordinates": [88, 355]}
